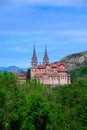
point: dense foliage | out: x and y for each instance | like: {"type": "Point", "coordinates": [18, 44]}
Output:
{"type": "Point", "coordinates": [33, 106]}
{"type": "Point", "coordinates": [79, 74]}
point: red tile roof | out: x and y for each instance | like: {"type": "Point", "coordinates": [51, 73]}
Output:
{"type": "Point", "coordinates": [42, 66]}
{"type": "Point", "coordinates": [62, 68]}
{"type": "Point", "coordinates": [39, 75]}
{"type": "Point", "coordinates": [54, 65]}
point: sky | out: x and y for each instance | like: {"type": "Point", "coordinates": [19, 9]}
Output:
{"type": "Point", "coordinates": [60, 25]}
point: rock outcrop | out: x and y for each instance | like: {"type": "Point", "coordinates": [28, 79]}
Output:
{"type": "Point", "coordinates": [75, 61]}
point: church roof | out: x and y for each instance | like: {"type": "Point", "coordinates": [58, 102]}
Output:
{"type": "Point", "coordinates": [54, 65]}
{"type": "Point", "coordinates": [42, 66]}
{"type": "Point", "coordinates": [39, 75]}
{"type": "Point", "coordinates": [62, 68]}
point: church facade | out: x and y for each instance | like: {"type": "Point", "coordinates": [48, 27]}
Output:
{"type": "Point", "coordinates": [53, 74]}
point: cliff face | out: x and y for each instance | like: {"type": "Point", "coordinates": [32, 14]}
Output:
{"type": "Point", "coordinates": [75, 61]}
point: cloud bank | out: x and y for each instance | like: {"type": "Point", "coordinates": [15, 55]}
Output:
{"type": "Point", "coordinates": [59, 3]}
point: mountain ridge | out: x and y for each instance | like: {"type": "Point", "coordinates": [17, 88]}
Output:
{"type": "Point", "coordinates": [75, 61]}
{"type": "Point", "coordinates": [11, 68]}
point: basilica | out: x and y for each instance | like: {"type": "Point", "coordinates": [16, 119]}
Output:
{"type": "Point", "coordinates": [52, 74]}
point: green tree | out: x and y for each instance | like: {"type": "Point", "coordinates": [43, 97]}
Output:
{"type": "Point", "coordinates": [36, 113]}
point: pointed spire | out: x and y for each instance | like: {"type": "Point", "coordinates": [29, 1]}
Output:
{"type": "Point", "coordinates": [34, 62]}
{"type": "Point", "coordinates": [45, 59]}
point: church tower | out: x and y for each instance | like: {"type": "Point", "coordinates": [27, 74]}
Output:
{"type": "Point", "coordinates": [45, 59]}
{"type": "Point", "coordinates": [34, 62]}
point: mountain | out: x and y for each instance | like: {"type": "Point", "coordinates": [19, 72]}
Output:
{"type": "Point", "coordinates": [75, 61]}
{"type": "Point", "coordinates": [11, 68]}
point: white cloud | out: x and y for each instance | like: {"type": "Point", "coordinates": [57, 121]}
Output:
{"type": "Point", "coordinates": [66, 3]}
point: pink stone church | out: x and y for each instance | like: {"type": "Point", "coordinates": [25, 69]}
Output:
{"type": "Point", "coordinates": [52, 74]}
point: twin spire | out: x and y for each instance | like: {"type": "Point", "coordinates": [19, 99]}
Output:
{"type": "Point", "coordinates": [45, 59]}
{"type": "Point", "coordinates": [34, 62]}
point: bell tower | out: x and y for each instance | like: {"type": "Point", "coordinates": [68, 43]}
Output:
{"type": "Point", "coordinates": [34, 62]}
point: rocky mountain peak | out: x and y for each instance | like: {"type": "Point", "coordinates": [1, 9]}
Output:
{"type": "Point", "coordinates": [75, 61]}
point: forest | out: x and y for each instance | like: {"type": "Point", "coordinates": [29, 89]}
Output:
{"type": "Point", "coordinates": [34, 106]}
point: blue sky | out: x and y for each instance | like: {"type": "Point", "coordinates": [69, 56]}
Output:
{"type": "Point", "coordinates": [61, 25]}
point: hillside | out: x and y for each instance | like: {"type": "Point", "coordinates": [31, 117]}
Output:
{"type": "Point", "coordinates": [78, 74]}
{"type": "Point", "coordinates": [75, 61]}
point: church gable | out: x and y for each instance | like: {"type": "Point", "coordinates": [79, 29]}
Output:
{"type": "Point", "coordinates": [62, 67]}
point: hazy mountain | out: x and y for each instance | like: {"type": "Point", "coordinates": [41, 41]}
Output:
{"type": "Point", "coordinates": [10, 68]}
